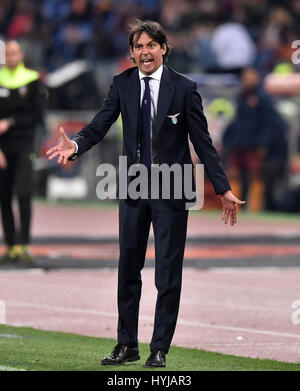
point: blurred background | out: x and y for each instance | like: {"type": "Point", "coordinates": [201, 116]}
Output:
{"type": "Point", "coordinates": [240, 53]}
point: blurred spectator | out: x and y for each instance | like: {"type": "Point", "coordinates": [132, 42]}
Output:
{"type": "Point", "coordinates": [73, 38]}
{"type": "Point", "coordinates": [233, 47]}
{"type": "Point", "coordinates": [209, 35]}
{"type": "Point", "coordinates": [290, 199]}
{"type": "Point", "coordinates": [23, 21]}
{"type": "Point", "coordinates": [276, 162]}
{"type": "Point", "coordinates": [171, 12]}
{"type": "Point", "coordinates": [181, 55]}
{"type": "Point", "coordinates": [254, 141]}
{"type": "Point", "coordinates": [202, 50]}
{"type": "Point", "coordinates": [21, 110]}
{"type": "Point", "coordinates": [112, 26]}
{"type": "Point", "coordinates": [6, 13]}
{"type": "Point", "coordinates": [274, 41]}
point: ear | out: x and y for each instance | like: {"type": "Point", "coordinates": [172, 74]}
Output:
{"type": "Point", "coordinates": [131, 51]}
{"type": "Point", "coordinates": [164, 48]}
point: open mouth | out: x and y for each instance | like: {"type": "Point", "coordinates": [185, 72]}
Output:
{"type": "Point", "coordinates": [147, 61]}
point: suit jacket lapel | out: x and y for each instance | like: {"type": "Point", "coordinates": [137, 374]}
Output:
{"type": "Point", "coordinates": [133, 101]}
{"type": "Point", "coordinates": [166, 91]}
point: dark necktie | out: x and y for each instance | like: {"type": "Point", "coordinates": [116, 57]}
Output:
{"type": "Point", "coordinates": [146, 125]}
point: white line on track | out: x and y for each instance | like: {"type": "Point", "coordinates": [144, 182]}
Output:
{"type": "Point", "coordinates": [240, 329]}
{"type": "Point", "coordinates": [245, 307]}
{"type": "Point", "coordinates": [186, 269]}
{"type": "Point", "coordinates": [190, 301]}
{"type": "Point", "coordinates": [238, 344]}
{"type": "Point", "coordinates": [23, 271]}
{"type": "Point", "coordinates": [5, 368]}
{"type": "Point", "coordinates": [148, 318]}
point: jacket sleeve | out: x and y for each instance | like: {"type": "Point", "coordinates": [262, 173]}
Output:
{"type": "Point", "coordinates": [94, 132]}
{"type": "Point", "coordinates": [201, 140]}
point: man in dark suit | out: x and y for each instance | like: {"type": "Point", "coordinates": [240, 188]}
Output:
{"type": "Point", "coordinates": [160, 109]}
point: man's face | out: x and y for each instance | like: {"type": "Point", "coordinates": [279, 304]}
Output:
{"type": "Point", "coordinates": [250, 79]}
{"type": "Point", "coordinates": [148, 54]}
{"type": "Point", "coordinates": [13, 54]}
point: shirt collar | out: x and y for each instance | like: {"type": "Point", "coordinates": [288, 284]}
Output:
{"type": "Point", "coordinates": [155, 75]}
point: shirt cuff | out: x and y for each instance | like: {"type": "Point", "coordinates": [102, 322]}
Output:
{"type": "Point", "coordinates": [74, 156]}
{"type": "Point", "coordinates": [76, 146]}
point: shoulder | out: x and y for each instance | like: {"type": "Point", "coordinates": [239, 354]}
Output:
{"type": "Point", "coordinates": [21, 77]}
{"type": "Point", "coordinates": [3, 77]}
{"type": "Point", "coordinates": [264, 97]}
{"type": "Point", "coordinates": [177, 77]}
{"type": "Point", "coordinates": [30, 73]}
{"type": "Point", "coordinates": [29, 77]}
{"type": "Point", "coordinates": [126, 74]}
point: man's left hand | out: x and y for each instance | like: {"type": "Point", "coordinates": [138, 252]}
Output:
{"type": "Point", "coordinates": [229, 205]}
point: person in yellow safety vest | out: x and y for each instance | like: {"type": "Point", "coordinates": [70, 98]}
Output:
{"type": "Point", "coordinates": [21, 109]}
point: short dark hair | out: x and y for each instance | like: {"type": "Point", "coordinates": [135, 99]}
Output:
{"type": "Point", "coordinates": [153, 29]}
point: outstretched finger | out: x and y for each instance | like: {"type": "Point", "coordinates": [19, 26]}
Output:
{"type": "Point", "coordinates": [53, 155]}
{"type": "Point", "coordinates": [239, 202]}
{"type": "Point", "coordinates": [223, 215]}
{"type": "Point", "coordinates": [226, 216]}
{"type": "Point", "coordinates": [54, 149]}
{"type": "Point", "coordinates": [59, 160]}
{"type": "Point", "coordinates": [233, 217]}
{"type": "Point", "coordinates": [51, 150]}
{"type": "Point", "coordinates": [62, 133]}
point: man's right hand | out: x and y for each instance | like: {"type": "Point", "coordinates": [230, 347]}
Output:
{"type": "Point", "coordinates": [3, 161]}
{"type": "Point", "coordinates": [63, 150]}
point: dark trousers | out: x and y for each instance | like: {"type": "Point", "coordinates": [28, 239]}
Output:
{"type": "Point", "coordinates": [16, 178]}
{"type": "Point", "coordinates": [169, 227]}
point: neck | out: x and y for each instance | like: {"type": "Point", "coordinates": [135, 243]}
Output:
{"type": "Point", "coordinates": [149, 74]}
{"type": "Point", "coordinates": [20, 64]}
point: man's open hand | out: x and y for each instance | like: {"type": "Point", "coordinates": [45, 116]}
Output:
{"type": "Point", "coordinates": [63, 150]}
{"type": "Point", "coordinates": [229, 205]}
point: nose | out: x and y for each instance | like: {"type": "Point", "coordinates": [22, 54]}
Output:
{"type": "Point", "coordinates": [145, 51]}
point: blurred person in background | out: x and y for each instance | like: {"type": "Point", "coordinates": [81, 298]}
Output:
{"type": "Point", "coordinates": [249, 140]}
{"type": "Point", "coordinates": [73, 38]}
{"type": "Point", "coordinates": [21, 109]}
{"type": "Point", "coordinates": [23, 25]}
{"type": "Point", "coordinates": [232, 46]}
{"type": "Point", "coordinates": [275, 168]}
{"type": "Point", "coordinates": [277, 33]}
{"type": "Point", "coordinates": [23, 19]}
{"type": "Point", "coordinates": [56, 31]}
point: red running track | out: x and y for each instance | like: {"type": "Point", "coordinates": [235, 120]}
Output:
{"type": "Point", "coordinates": [243, 312]}
{"type": "Point", "coordinates": [62, 220]}
{"type": "Point", "coordinates": [110, 251]}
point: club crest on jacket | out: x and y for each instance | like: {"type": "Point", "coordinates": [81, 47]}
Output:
{"type": "Point", "coordinates": [174, 118]}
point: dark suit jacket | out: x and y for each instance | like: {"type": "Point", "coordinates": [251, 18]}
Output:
{"type": "Point", "coordinates": [178, 94]}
